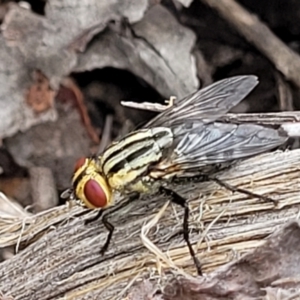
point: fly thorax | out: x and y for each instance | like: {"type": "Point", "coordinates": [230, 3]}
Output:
{"type": "Point", "coordinates": [125, 162]}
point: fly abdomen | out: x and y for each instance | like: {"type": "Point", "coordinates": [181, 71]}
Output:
{"type": "Point", "coordinates": [126, 160]}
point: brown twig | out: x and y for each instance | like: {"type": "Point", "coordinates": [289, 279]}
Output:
{"type": "Point", "coordinates": [285, 59]}
{"type": "Point", "coordinates": [284, 94]}
{"type": "Point", "coordinates": [272, 119]}
{"type": "Point", "coordinates": [79, 98]}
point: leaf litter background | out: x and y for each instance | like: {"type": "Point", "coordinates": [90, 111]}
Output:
{"type": "Point", "coordinates": [65, 67]}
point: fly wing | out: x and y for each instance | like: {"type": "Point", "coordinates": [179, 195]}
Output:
{"type": "Point", "coordinates": [215, 143]}
{"type": "Point", "coordinates": [207, 104]}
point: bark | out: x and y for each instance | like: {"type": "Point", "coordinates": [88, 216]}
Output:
{"type": "Point", "coordinates": [60, 255]}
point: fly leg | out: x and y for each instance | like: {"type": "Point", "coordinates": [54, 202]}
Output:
{"type": "Point", "coordinates": [206, 177]}
{"type": "Point", "coordinates": [182, 202]}
{"type": "Point", "coordinates": [105, 214]}
{"type": "Point", "coordinates": [93, 219]}
{"type": "Point", "coordinates": [242, 191]}
{"type": "Point", "coordinates": [110, 229]}
{"type": "Point", "coordinates": [107, 225]}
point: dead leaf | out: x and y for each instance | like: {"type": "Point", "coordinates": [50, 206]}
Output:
{"type": "Point", "coordinates": [157, 49]}
{"type": "Point", "coordinates": [30, 42]}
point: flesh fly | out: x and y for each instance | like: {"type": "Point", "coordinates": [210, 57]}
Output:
{"type": "Point", "coordinates": [185, 139]}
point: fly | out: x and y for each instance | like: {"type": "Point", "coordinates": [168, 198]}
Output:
{"type": "Point", "coordinates": [183, 140]}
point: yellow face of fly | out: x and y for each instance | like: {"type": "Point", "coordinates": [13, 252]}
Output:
{"type": "Point", "coordinates": [90, 187]}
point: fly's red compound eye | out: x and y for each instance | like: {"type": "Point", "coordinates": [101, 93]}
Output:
{"type": "Point", "coordinates": [94, 193]}
{"type": "Point", "coordinates": [79, 163]}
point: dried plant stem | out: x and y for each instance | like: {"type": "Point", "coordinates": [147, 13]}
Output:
{"type": "Point", "coordinates": [62, 260]}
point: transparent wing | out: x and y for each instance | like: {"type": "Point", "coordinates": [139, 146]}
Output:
{"type": "Point", "coordinates": [207, 104]}
{"type": "Point", "coordinates": [198, 145]}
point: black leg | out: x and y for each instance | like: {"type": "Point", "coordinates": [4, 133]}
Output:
{"type": "Point", "coordinates": [205, 177]}
{"type": "Point", "coordinates": [242, 191]}
{"type": "Point", "coordinates": [182, 202]}
{"type": "Point", "coordinates": [93, 219]}
{"type": "Point", "coordinates": [105, 213]}
{"type": "Point", "coordinates": [110, 229]}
